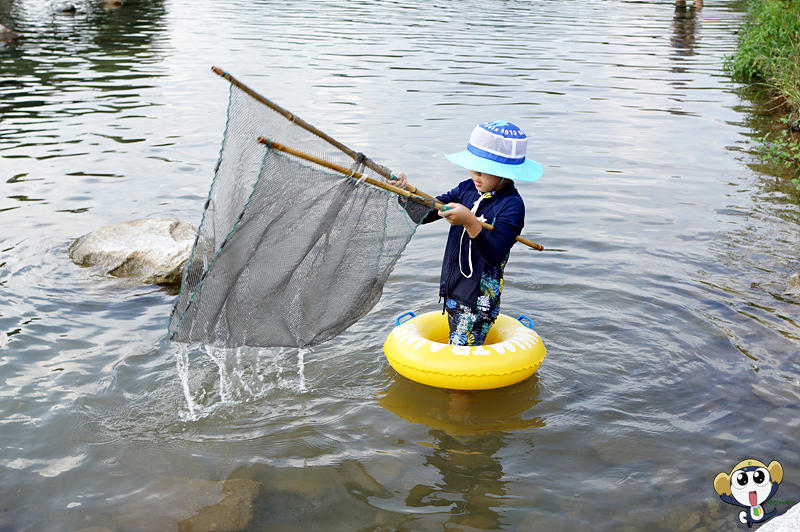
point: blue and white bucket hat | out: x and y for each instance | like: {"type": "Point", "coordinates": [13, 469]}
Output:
{"type": "Point", "coordinates": [498, 148]}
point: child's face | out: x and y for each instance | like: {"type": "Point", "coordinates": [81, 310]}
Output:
{"type": "Point", "coordinates": [484, 182]}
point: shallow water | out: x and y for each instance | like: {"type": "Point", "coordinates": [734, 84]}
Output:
{"type": "Point", "coordinates": [672, 349]}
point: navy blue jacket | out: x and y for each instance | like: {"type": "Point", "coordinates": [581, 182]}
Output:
{"type": "Point", "coordinates": [505, 211]}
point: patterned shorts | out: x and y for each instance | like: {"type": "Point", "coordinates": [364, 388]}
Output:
{"type": "Point", "coordinates": [467, 326]}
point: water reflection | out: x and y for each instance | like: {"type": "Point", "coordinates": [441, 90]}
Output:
{"type": "Point", "coordinates": [92, 49]}
{"type": "Point", "coordinates": [472, 486]}
{"type": "Point", "coordinates": [465, 413]}
{"type": "Point", "coordinates": [684, 30]}
{"type": "Point", "coordinates": [468, 431]}
{"type": "Point", "coordinates": [75, 95]}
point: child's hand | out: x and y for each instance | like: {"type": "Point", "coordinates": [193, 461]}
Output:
{"type": "Point", "coordinates": [399, 180]}
{"type": "Point", "coordinates": [457, 214]}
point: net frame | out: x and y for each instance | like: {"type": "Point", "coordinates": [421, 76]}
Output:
{"type": "Point", "coordinates": [241, 180]}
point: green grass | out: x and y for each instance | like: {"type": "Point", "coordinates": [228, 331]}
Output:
{"type": "Point", "coordinates": [769, 53]}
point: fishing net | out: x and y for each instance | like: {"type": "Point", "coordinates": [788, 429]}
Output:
{"type": "Point", "coordinates": [291, 250]}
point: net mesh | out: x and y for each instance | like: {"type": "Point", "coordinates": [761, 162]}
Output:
{"type": "Point", "coordinates": [289, 253]}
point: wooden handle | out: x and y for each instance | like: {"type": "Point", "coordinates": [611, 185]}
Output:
{"type": "Point", "coordinates": [411, 194]}
{"type": "Point", "coordinates": [411, 191]}
{"type": "Point", "coordinates": [532, 245]}
{"type": "Point", "coordinates": [302, 123]}
{"type": "Point", "coordinates": [418, 192]}
{"type": "Point", "coordinates": [349, 173]}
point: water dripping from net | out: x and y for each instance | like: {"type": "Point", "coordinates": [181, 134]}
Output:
{"type": "Point", "coordinates": [215, 378]}
{"type": "Point", "coordinates": [301, 368]}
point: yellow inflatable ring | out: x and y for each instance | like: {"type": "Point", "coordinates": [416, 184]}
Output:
{"type": "Point", "coordinates": [418, 349]}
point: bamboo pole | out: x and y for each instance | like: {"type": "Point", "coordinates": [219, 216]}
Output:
{"type": "Point", "coordinates": [349, 173]}
{"type": "Point", "coordinates": [308, 127]}
{"type": "Point", "coordinates": [302, 123]}
{"type": "Point", "coordinates": [414, 195]}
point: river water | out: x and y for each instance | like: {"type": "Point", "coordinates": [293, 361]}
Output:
{"type": "Point", "coordinates": [672, 348]}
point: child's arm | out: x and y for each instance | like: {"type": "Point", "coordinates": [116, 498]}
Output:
{"type": "Point", "coordinates": [400, 180]}
{"type": "Point", "coordinates": [460, 215]}
{"type": "Point", "coordinates": [492, 245]}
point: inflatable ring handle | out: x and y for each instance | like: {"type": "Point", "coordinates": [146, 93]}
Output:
{"type": "Point", "coordinates": [523, 318]}
{"type": "Point", "coordinates": [400, 319]}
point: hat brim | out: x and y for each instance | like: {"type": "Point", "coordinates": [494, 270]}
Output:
{"type": "Point", "coordinates": [527, 171]}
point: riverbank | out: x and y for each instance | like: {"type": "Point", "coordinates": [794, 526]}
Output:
{"type": "Point", "coordinates": [768, 54]}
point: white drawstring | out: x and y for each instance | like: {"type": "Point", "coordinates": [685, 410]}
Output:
{"type": "Point", "coordinates": [461, 240]}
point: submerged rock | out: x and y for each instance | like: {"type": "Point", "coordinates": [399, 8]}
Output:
{"type": "Point", "coordinates": [233, 513]}
{"type": "Point", "coordinates": [182, 505]}
{"type": "Point", "coordinates": [793, 286]}
{"type": "Point", "coordinates": [7, 35]}
{"type": "Point", "coordinates": [151, 250]}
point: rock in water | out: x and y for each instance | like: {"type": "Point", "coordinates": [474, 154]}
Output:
{"type": "Point", "coordinates": [232, 514]}
{"type": "Point", "coordinates": [793, 286]}
{"type": "Point", "coordinates": [7, 35]}
{"type": "Point", "coordinates": [152, 250]}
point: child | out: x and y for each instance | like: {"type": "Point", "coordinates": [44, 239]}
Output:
{"type": "Point", "coordinates": [474, 258]}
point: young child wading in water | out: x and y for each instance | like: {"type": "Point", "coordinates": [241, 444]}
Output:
{"type": "Point", "coordinates": [474, 258]}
